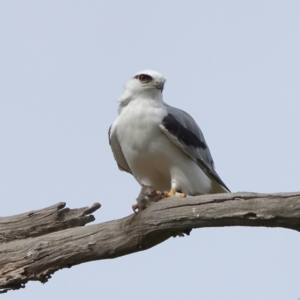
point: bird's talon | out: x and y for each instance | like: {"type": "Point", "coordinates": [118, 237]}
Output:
{"type": "Point", "coordinates": [172, 193]}
{"type": "Point", "coordinates": [181, 195]}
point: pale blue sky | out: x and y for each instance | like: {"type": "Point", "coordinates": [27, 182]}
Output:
{"type": "Point", "coordinates": [233, 65]}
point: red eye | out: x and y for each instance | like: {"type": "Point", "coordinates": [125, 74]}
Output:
{"type": "Point", "coordinates": [144, 78]}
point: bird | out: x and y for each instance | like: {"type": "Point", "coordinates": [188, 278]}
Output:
{"type": "Point", "coordinates": [160, 145]}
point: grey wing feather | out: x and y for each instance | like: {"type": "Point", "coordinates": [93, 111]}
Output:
{"type": "Point", "coordinates": [182, 129]}
{"type": "Point", "coordinates": [117, 151]}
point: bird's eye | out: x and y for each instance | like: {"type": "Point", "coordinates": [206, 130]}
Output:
{"type": "Point", "coordinates": [144, 78]}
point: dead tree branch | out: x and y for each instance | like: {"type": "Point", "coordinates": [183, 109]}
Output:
{"type": "Point", "coordinates": [43, 221]}
{"type": "Point", "coordinates": [34, 245]}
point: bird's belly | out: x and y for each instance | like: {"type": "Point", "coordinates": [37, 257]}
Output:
{"type": "Point", "coordinates": [148, 152]}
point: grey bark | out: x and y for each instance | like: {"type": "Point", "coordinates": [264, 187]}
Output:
{"type": "Point", "coordinates": [43, 221]}
{"type": "Point", "coordinates": [34, 245]}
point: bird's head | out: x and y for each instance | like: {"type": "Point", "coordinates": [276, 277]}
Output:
{"type": "Point", "coordinates": [145, 84]}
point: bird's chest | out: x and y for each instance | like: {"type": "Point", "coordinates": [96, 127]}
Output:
{"type": "Point", "coordinates": [138, 127]}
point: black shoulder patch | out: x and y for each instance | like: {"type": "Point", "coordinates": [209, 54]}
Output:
{"type": "Point", "coordinates": [183, 134]}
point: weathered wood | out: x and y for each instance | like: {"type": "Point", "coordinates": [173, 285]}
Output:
{"type": "Point", "coordinates": [43, 221]}
{"type": "Point", "coordinates": [39, 257]}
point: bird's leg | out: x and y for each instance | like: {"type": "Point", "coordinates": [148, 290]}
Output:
{"type": "Point", "coordinates": [172, 192]}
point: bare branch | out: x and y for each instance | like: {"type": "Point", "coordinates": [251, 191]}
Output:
{"type": "Point", "coordinates": [39, 257]}
{"type": "Point", "coordinates": [40, 222]}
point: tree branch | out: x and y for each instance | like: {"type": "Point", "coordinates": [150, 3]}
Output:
{"type": "Point", "coordinates": [41, 222]}
{"type": "Point", "coordinates": [36, 258]}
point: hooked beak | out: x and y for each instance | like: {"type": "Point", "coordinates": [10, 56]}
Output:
{"type": "Point", "coordinates": [159, 85]}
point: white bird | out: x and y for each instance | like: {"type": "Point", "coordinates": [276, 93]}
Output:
{"type": "Point", "coordinates": [160, 145]}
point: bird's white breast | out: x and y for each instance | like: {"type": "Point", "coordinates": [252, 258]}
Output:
{"type": "Point", "coordinates": [140, 138]}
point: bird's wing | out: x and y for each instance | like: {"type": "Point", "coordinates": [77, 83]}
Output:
{"type": "Point", "coordinates": [182, 130]}
{"type": "Point", "coordinates": [117, 151]}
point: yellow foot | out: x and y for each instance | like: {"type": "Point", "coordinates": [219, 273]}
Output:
{"type": "Point", "coordinates": [173, 193]}
{"type": "Point", "coordinates": [180, 195]}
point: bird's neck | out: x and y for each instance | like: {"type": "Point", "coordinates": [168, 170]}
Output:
{"type": "Point", "coordinates": [127, 98]}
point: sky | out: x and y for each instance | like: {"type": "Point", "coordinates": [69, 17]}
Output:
{"type": "Point", "coordinates": [233, 65]}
